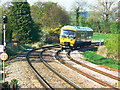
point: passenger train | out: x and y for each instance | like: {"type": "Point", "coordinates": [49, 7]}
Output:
{"type": "Point", "coordinates": [74, 36]}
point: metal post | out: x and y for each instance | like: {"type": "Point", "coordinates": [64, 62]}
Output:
{"type": "Point", "coordinates": [100, 43]}
{"type": "Point", "coordinates": [4, 35]}
{"type": "Point", "coordinates": [3, 71]}
{"type": "Point", "coordinates": [4, 51]}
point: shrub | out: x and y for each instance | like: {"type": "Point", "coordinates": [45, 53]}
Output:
{"type": "Point", "coordinates": [14, 81]}
{"type": "Point", "coordinates": [50, 35]}
{"type": "Point", "coordinates": [114, 27]}
{"type": "Point", "coordinates": [112, 44]}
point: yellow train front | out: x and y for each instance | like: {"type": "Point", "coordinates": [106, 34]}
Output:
{"type": "Point", "coordinates": [67, 37]}
{"type": "Point", "coordinates": [73, 36]}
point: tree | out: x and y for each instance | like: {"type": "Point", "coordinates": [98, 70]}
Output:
{"type": "Point", "coordinates": [105, 10]}
{"type": "Point", "coordinates": [3, 11]}
{"type": "Point", "coordinates": [79, 7]}
{"type": "Point", "coordinates": [51, 35]}
{"type": "Point", "coordinates": [20, 22]}
{"type": "Point", "coordinates": [49, 14]}
{"type": "Point", "coordinates": [114, 27]}
{"type": "Point", "coordinates": [83, 21]}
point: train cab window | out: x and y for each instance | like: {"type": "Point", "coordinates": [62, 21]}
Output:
{"type": "Point", "coordinates": [68, 34]}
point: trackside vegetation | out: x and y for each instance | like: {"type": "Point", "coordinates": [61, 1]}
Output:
{"type": "Point", "coordinates": [13, 50]}
{"type": "Point", "coordinates": [20, 24]}
{"type": "Point", "coordinates": [100, 60]}
{"type": "Point", "coordinates": [103, 36]}
{"type": "Point", "coordinates": [112, 46]}
{"type": "Point", "coordinates": [42, 21]}
{"type": "Point", "coordinates": [111, 43]}
{"type": "Point", "coordinates": [30, 24]}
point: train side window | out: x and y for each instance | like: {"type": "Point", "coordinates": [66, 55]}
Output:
{"type": "Point", "coordinates": [89, 36]}
{"type": "Point", "coordinates": [78, 35]}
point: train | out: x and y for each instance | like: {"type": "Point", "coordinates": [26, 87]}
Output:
{"type": "Point", "coordinates": [75, 36]}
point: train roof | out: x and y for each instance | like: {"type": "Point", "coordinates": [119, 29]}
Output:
{"type": "Point", "coordinates": [78, 28]}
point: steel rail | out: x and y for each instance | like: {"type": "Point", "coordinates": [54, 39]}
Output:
{"type": "Point", "coordinates": [81, 72]}
{"type": "Point", "coordinates": [59, 74]}
{"type": "Point", "coordinates": [41, 79]}
{"type": "Point", "coordinates": [91, 68]}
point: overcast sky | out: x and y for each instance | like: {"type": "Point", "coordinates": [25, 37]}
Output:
{"type": "Point", "coordinates": [64, 3]}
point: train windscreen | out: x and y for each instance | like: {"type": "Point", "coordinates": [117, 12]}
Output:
{"type": "Point", "coordinates": [68, 34]}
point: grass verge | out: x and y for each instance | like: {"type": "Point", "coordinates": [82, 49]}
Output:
{"type": "Point", "coordinates": [100, 60]}
{"type": "Point", "coordinates": [98, 36]}
{"type": "Point", "coordinates": [13, 50]}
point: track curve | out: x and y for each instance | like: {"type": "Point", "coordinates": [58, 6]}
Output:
{"type": "Point", "coordinates": [95, 79]}
{"type": "Point", "coordinates": [59, 74]}
{"type": "Point", "coordinates": [44, 83]}
{"type": "Point", "coordinates": [40, 78]}
{"type": "Point", "coordinates": [99, 71]}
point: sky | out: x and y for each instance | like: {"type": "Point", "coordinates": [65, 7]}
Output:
{"type": "Point", "coordinates": [64, 3]}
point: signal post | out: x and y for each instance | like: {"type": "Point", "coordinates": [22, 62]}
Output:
{"type": "Point", "coordinates": [4, 56]}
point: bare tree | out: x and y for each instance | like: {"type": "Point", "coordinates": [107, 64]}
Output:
{"type": "Point", "coordinates": [106, 9]}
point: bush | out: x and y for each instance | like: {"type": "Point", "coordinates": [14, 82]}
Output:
{"type": "Point", "coordinates": [12, 51]}
{"type": "Point", "coordinates": [114, 27]}
{"type": "Point", "coordinates": [112, 44]}
{"type": "Point", "coordinates": [50, 36]}
{"type": "Point", "coordinates": [14, 81]}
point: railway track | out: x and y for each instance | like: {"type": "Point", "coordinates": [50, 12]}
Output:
{"type": "Point", "coordinates": [85, 74]}
{"type": "Point", "coordinates": [74, 85]}
{"type": "Point", "coordinates": [91, 68]}
{"type": "Point", "coordinates": [40, 78]}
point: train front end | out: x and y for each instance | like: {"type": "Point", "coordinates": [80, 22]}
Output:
{"type": "Point", "coordinates": [67, 38]}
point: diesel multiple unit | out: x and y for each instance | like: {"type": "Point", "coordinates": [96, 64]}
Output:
{"type": "Point", "coordinates": [74, 36]}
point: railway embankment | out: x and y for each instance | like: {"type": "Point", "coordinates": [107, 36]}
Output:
{"type": "Point", "coordinates": [20, 70]}
{"type": "Point", "coordinates": [100, 57]}
{"type": "Point", "coordinates": [111, 43]}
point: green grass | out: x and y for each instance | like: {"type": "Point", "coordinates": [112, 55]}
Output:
{"type": "Point", "coordinates": [98, 36]}
{"type": "Point", "coordinates": [12, 50]}
{"type": "Point", "coordinates": [100, 60]}
{"type": "Point", "coordinates": [5, 65]}
{"type": "Point", "coordinates": [1, 81]}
